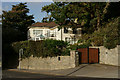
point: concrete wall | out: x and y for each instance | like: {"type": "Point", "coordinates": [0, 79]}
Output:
{"type": "Point", "coordinates": [109, 56]}
{"type": "Point", "coordinates": [50, 63]}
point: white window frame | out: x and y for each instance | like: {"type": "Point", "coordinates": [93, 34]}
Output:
{"type": "Point", "coordinates": [35, 30]}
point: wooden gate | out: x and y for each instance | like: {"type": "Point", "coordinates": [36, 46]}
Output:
{"type": "Point", "coordinates": [88, 55]}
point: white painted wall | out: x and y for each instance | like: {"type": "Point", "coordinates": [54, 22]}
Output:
{"type": "Point", "coordinates": [54, 31]}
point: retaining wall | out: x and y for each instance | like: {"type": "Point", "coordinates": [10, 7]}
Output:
{"type": "Point", "coordinates": [50, 63]}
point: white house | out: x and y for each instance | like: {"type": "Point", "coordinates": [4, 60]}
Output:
{"type": "Point", "coordinates": [40, 31]}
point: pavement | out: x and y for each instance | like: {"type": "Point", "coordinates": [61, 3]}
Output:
{"type": "Point", "coordinates": [83, 70]}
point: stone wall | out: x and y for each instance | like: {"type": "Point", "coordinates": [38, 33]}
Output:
{"type": "Point", "coordinates": [50, 63]}
{"type": "Point", "coordinates": [119, 55]}
{"type": "Point", "coordinates": [109, 56]}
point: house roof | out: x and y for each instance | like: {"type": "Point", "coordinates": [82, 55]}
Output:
{"type": "Point", "coordinates": [50, 25]}
{"type": "Point", "coordinates": [38, 24]}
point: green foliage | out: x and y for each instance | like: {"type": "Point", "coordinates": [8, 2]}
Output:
{"type": "Point", "coordinates": [90, 16]}
{"type": "Point", "coordinates": [87, 14]}
{"type": "Point", "coordinates": [97, 38]}
{"type": "Point", "coordinates": [112, 34]}
{"type": "Point", "coordinates": [85, 39]}
{"type": "Point", "coordinates": [43, 48]}
{"type": "Point", "coordinates": [73, 47]}
{"type": "Point", "coordinates": [76, 46]}
{"type": "Point", "coordinates": [84, 45]}
{"type": "Point", "coordinates": [112, 11]}
{"type": "Point", "coordinates": [109, 36]}
{"type": "Point", "coordinates": [10, 35]}
{"type": "Point", "coordinates": [15, 24]}
{"type": "Point", "coordinates": [18, 19]}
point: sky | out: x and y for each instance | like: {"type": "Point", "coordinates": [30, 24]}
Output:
{"type": "Point", "coordinates": [34, 7]}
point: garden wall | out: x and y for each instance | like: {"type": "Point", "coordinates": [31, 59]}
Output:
{"type": "Point", "coordinates": [109, 56]}
{"type": "Point", "coordinates": [50, 63]}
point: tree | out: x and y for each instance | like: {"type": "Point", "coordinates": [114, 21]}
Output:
{"type": "Point", "coordinates": [89, 16]}
{"type": "Point", "coordinates": [112, 33]}
{"type": "Point", "coordinates": [14, 28]}
{"type": "Point", "coordinates": [75, 14]}
{"type": "Point", "coordinates": [112, 11]}
{"type": "Point", "coordinates": [18, 19]}
{"type": "Point", "coordinates": [56, 10]}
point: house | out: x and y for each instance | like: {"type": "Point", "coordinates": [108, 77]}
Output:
{"type": "Point", "coordinates": [40, 31]}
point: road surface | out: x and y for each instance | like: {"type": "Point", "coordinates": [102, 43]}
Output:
{"type": "Point", "coordinates": [13, 75]}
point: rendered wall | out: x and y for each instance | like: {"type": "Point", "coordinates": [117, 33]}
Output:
{"type": "Point", "coordinates": [109, 56]}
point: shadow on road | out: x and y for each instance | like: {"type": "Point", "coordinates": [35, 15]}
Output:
{"type": "Point", "coordinates": [77, 70]}
{"type": "Point", "coordinates": [54, 78]}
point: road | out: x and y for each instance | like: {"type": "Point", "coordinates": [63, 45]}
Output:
{"type": "Point", "coordinates": [13, 75]}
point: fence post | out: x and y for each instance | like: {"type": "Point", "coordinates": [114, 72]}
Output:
{"type": "Point", "coordinates": [20, 56]}
{"type": "Point", "coordinates": [76, 58]}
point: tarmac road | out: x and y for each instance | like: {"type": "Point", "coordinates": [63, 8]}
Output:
{"type": "Point", "coordinates": [14, 75]}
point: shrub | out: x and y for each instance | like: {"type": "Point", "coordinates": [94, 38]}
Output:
{"type": "Point", "coordinates": [43, 48]}
{"type": "Point", "coordinates": [112, 34]}
{"type": "Point", "coordinates": [76, 46]}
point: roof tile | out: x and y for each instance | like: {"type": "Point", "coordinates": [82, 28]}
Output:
{"type": "Point", "coordinates": [50, 25]}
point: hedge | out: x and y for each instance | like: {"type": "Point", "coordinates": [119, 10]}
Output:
{"type": "Point", "coordinates": [43, 48]}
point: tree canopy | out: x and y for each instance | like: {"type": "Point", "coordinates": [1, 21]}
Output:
{"type": "Point", "coordinates": [14, 28]}
{"type": "Point", "coordinates": [17, 18]}
{"type": "Point", "coordinates": [89, 16]}
{"type": "Point", "coordinates": [66, 13]}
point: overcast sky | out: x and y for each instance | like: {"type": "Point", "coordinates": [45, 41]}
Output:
{"type": "Point", "coordinates": [35, 8]}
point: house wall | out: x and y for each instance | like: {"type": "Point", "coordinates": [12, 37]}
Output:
{"type": "Point", "coordinates": [109, 56]}
{"type": "Point", "coordinates": [50, 63]}
{"type": "Point", "coordinates": [54, 31]}
{"type": "Point", "coordinates": [37, 28]}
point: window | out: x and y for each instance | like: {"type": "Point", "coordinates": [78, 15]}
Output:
{"type": "Point", "coordinates": [74, 31]}
{"type": "Point", "coordinates": [36, 32]}
{"type": "Point", "coordinates": [52, 35]}
{"type": "Point", "coordinates": [48, 33]}
{"type": "Point", "coordinates": [70, 40]}
{"type": "Point", "coordinates": [66, 39]}
{"type": "Point", "coordinates": [37, 38]}
{"type": "Point", "coordinates": [65, 30]}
